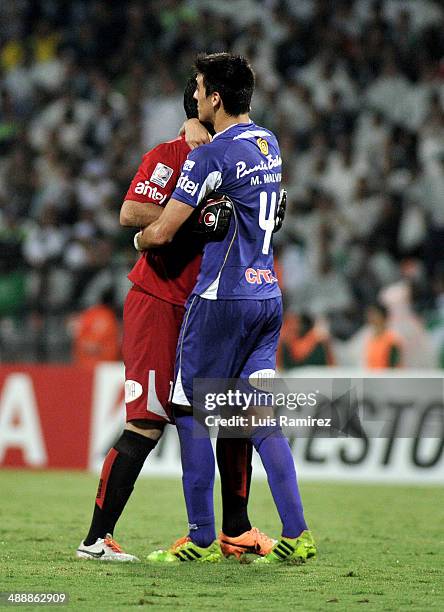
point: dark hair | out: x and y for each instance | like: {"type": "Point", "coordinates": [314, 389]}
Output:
{"type": "Point", "coordinates": [231, 76]}
{"type": "Point", "coordinates": [189, 103]}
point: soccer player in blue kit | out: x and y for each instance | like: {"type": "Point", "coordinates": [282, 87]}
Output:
{"type": "Point", "coordinates": [234, 314]}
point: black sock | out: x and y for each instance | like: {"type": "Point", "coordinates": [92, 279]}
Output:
{"type": "Point", "coordinates": [234, 462]}
{"type": "Point", "coordinates": [120, 470]}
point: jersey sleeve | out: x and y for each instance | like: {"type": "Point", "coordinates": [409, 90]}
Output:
{"type": "Point", "coordinates": [201, 174]}
{"type": "Point", "coordinates": [156, 176]}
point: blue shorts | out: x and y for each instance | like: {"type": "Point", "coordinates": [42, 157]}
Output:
{"type": "Point", "coordinates": [223, 339]}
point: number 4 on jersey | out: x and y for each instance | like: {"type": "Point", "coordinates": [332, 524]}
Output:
{"type": "Point", "coordinates": [267, 223]}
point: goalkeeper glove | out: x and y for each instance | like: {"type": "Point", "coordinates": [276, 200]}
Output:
{"type": "Point", "coordinates": [213, 219]}
{"type": "Point", "coordinates": [280, 210]}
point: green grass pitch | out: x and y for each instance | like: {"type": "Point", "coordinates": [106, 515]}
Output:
{"type": "Point", "coordinates": [380, 548]}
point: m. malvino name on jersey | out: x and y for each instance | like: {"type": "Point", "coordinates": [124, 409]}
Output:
{"type": "Point", "coordinates": [244, 163]}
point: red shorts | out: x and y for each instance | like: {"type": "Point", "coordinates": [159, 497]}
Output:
{"type": "Point", "coordinates": [150, 333]}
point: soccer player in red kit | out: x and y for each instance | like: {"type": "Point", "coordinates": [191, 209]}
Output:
{"type": "Point", "coordinates": [153, 312]}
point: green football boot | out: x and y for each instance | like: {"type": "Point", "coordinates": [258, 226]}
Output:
{"type": "Point", "coordinates": [185, 550]}
{"type": "Point", "coordinates": [291, 549]}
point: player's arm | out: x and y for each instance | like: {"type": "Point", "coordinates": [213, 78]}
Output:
{"type": "Point", "coordinates": [139, 214]}
{"type": "Point", "coordinates": [162, 231]}
{"type": "Point", "coordinates": [201, 175]}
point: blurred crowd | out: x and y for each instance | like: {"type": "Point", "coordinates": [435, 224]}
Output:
{"type": "Point", "coordinates": [354, 90]}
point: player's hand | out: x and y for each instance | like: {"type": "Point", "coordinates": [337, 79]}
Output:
{"type": "Point", "coordinates": [195, 133]}
{"type": "Point", "coordinates": [213, 219]}
{"type": "Point", "coordinates": [281, 207]}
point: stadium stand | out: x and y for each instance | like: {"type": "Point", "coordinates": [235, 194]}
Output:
{"type": "Point", "coordinates": [355, 91]}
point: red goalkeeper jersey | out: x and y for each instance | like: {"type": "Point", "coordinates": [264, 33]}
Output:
{"type": "Point", "coordinates": [169, 273]}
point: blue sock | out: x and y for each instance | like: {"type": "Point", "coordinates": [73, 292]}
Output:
{"type": "Point", "coordinates": [277, 460]}
{"type": "Point", "coordinates": [198, 479]}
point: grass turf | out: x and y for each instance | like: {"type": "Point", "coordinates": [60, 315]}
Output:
{"type": "Point", "coordinates": [380, 548]}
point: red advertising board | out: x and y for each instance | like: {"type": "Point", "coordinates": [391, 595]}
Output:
{"type": "Point", "coordinates": [45, 416]}
{"type": "Point", "coordinates": [67, 417]}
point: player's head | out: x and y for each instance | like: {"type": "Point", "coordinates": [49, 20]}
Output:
{"type": "Point", "coordinates": [224, 82]}
{"type": "Point", "coordinates": [189, 101]}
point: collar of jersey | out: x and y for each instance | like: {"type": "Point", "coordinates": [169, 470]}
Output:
{"type": "Point", "coordinates": [232, 126]}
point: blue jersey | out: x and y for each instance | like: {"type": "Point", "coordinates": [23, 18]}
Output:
{"type": "Point", "coordinates": [244, 163]}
